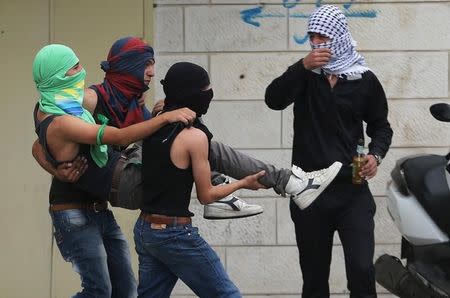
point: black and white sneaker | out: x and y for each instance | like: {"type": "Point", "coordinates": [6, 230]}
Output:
{"type": "Point", "coordinates": [230, 207]}
{"type": "Point", "coordinates": [311, 184]}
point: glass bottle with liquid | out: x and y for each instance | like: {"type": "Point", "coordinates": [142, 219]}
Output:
{"type": "Point", "coordinates": [359, 160]}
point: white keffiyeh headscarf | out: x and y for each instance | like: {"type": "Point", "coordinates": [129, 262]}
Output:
{"type": "Point", "coordinates": [329, 20]}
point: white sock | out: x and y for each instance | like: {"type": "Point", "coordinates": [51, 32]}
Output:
{"type": "Point", "coordinates": [295, 185]}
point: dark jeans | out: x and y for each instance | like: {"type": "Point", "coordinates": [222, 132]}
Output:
{"type": "Point", "coordinates": [96, 247]}
{"type": "Point", "coordinates": [179, 252]}
{"type": "Point", "coordinates": [349, 210]}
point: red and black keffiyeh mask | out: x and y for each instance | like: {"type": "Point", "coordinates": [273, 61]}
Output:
{"type": "Point", "coordinates": [124, 81]}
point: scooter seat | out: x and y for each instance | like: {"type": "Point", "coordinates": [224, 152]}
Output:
{"type": "Point", "coordinates": [425, 177]}
{"type": "Point", "coordinates": [415, 168]}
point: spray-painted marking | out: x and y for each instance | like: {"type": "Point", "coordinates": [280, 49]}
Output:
{"type": "Point", "coordinates": [251, 15]}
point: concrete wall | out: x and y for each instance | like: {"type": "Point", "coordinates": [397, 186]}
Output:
{"type": "Point", "coordinates": [25, 228]}
{"type": "Point", "coordinates": [30, 264]}
{"type": "Point", "coordinates": [245, 45]}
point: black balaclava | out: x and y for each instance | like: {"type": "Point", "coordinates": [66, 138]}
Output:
{"type": "Point", "coordinates": [184, 86]}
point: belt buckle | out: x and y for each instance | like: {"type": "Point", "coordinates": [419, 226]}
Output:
{"type": "Point", "coordinates": [156, 226]}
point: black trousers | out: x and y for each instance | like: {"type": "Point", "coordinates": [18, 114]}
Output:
{"type": "Point", "coordinates": [349, 210]}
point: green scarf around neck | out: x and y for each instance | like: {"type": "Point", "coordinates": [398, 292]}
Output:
{"type": "Point", "coordinates": [61, 94]}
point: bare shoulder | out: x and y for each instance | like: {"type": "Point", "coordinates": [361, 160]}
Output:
{"type": "Point", "coordinates": [74, 129]}
{"type": "Point", "coordinates": [90, 99]}
{"type": "Point", "coordinates": [61, 124]}
{"type": "Point", "coordinates": [193, 137]}
{"type": "Point", "coordinates": [63, 121]}
{"type": "Point", "coordinates": [90, 93]}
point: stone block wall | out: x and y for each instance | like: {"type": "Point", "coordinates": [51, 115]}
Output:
{"type": "Point", "coordinates": [244, 45]}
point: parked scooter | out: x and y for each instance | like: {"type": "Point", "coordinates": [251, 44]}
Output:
{"type": "Point", "coordinates": [418, 198]}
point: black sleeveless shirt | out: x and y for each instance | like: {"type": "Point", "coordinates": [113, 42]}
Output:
{"type": "Point", "coordinates": [167, 188]}
{"type": "Point", "coordinates": [93, 186]}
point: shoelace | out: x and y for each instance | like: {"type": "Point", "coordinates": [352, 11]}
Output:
{"type": "Point", "coordinates": [315, 174]}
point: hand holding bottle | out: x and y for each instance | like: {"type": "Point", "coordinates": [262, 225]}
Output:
{"type": "Point", "coordinates": [370, 168]}
{"type": "Point", "coordinates": [359, 160]}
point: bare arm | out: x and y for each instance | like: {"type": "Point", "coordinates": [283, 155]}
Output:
{"type": "Point", "coordinates": [39, 156]}
{"type": "Point", "coordinates": [66, 172]}
{"type": "Point", "coordinates": [76, 130]}
{"type": "Point", "coordinates": [196, 143]}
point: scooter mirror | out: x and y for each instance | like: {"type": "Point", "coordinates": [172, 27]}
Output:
{"type": "Point", "coordinates": [441, 111]}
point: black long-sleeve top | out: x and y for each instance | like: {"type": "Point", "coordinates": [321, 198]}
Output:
{"type": "Point", "coordinates": [329, 121]}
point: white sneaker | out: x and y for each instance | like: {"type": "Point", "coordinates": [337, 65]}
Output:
{"type": "Point", "coordinates": [312, 184]}
{"type": "Point", "coordinates": [230, 207]}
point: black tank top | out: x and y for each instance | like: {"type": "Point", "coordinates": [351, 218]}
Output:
{"type": "Point", "coordinates": [93, 185]}
{"type": "Point", "coordinates": [167, 188]}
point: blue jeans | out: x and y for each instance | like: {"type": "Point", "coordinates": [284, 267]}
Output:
{"type": "Point", "coordinates": [99, 253]}
{"type": "Point", "coordinates": [179, 252]}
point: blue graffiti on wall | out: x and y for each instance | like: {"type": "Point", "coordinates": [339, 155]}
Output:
{"type": "Point", "coordinates": [251, 15]}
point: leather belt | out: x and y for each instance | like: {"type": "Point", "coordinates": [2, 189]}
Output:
{"type": "Point", "coordinates": [96, 206]}
{"type": "Point", "coordinates": [163, 220]}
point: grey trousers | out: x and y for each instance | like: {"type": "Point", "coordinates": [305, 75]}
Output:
{"type": "Point", "coordinates": [223, 159]}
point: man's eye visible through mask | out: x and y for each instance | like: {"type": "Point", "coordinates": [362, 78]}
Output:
{"type": "Point", "coordinates": [74, 70]}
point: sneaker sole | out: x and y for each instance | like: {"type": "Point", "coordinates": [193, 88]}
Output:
{"type": "Point", "coordinates": [314, 195]}
{"type": "Point", "coordinates": [230, 215]}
